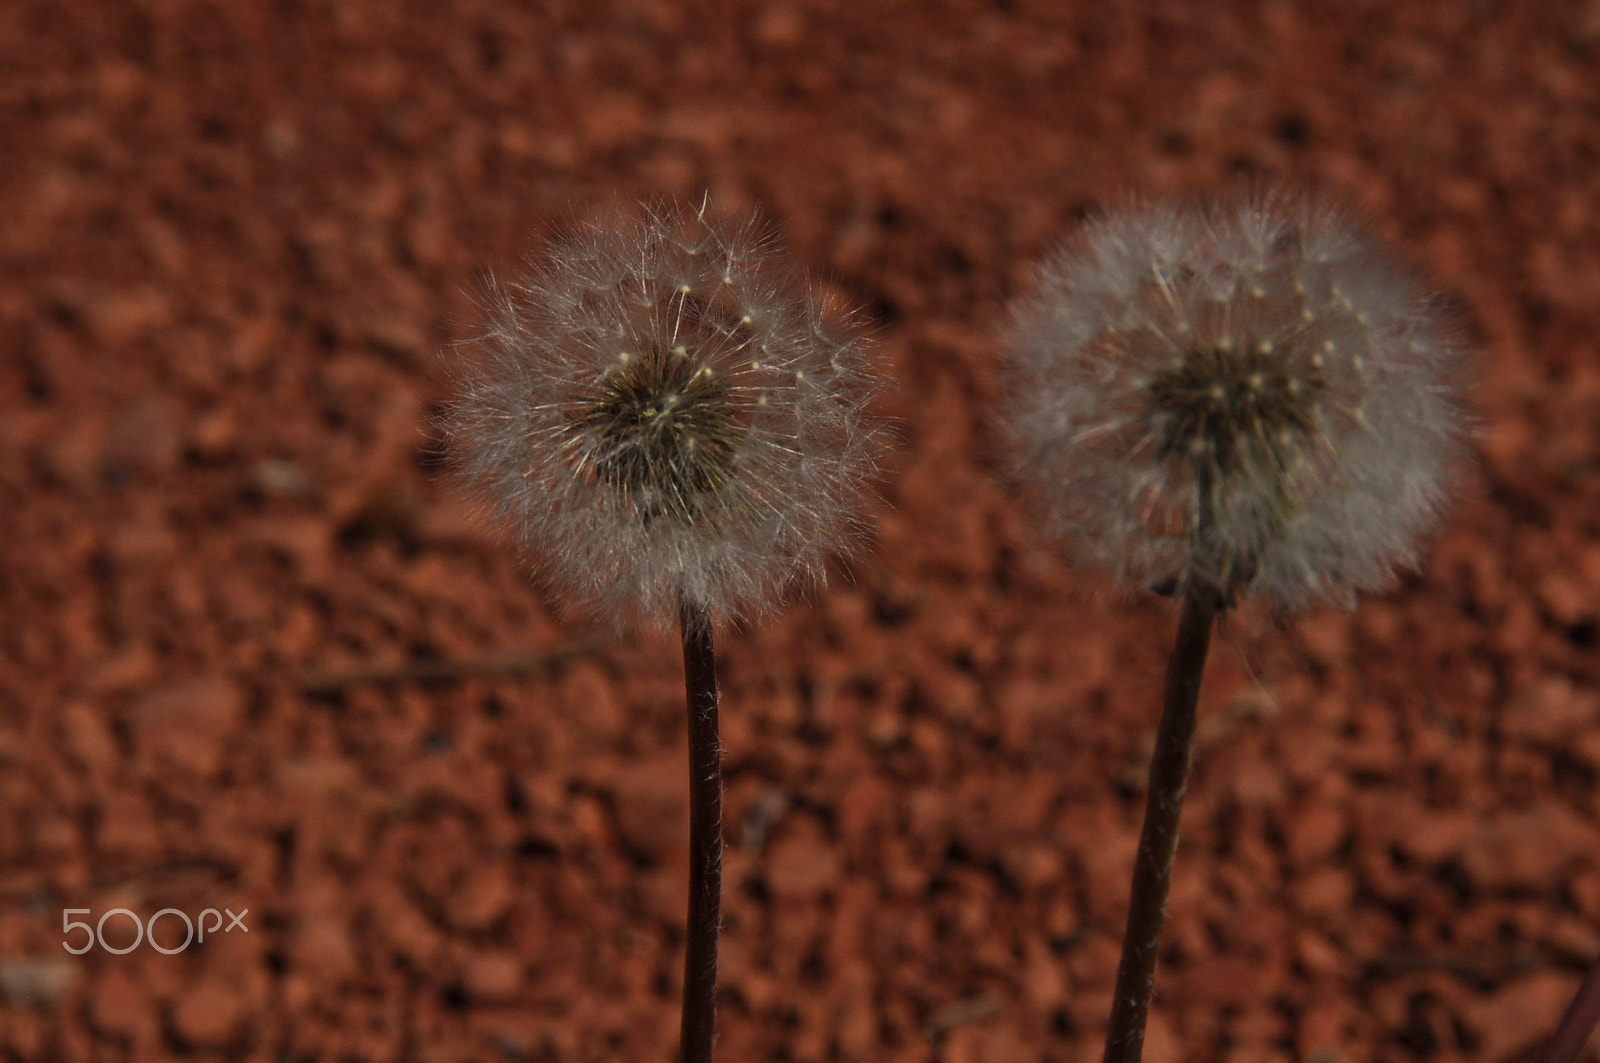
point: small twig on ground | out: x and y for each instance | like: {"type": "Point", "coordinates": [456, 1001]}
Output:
{"type": "Point", "coordinates": [959, 1013]}
{"type": "Point", "coordinates": [1577, 1024]}
{"type": "Point", "coordinates": [334, 680]}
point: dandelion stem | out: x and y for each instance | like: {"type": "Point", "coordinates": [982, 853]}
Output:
{"type": "Point", "coordinates": [705, 834]}
{"type": "Point", "coordinates": [1578, 1023]}
{"type": "Point", "coordinates": [1158, 841]}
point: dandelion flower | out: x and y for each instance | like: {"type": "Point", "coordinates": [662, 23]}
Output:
{"type": "Point", "coordinates": [661, 416]}
{"type": "Point", "coordinates": [1250, 397]}
{"type": "Point", "coordinates": [672, 430]}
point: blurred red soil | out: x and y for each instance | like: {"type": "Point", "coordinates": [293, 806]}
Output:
{"type": "Point", "coordinates": [255, 654]}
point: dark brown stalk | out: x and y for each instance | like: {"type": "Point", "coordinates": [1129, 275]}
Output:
{"type": "Point", "coordinates": [1158, 841]}
{"type": "Point", "coordinates": [705, 836]}
{"type": "Point", "coordinates": [1578, 1023]}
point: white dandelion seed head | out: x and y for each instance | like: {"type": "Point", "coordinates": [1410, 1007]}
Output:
{"type": "Point", "coordinates": [1249, 397]}
{"type": "Point", "coordinates": [660, 414]}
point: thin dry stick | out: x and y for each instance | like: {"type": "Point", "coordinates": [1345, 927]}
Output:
{"type": "Point", "coordinates": [705, 835]}
{"type": "Point", "coordinates": [1158, 841]}
{"type": "Point", "coordinates": [513, 664]}
{"type": "Point", "coordinates": [1578, 1023]}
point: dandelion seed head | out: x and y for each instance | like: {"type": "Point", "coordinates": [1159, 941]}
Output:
{"type": "Point", "coordinates": [1249, 397]}
{"type": "Point", "coordinates": [659, 413]}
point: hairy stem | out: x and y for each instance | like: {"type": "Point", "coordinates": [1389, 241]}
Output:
{"type": "Point", "coordinates": [1578, 1023]}
{"type": "Point", "coordinates": [705, 835]}
{"type": "Point", "coordinates": [1158, 841]}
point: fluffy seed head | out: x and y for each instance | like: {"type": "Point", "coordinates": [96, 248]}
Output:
{"type": "Point", "coordinates": [1247, 397]}
{"type": "Point", "coordinates": [659, 414]}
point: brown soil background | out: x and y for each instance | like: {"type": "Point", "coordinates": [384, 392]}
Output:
{"type": "Point", "coordinates": [256, 654]}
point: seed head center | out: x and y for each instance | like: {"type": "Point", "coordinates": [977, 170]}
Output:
{"type": "Point", "coordinates": [662, 430]}
{"type": "Point", "coordinates": [1235, 407]}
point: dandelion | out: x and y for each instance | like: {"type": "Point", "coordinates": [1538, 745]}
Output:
{"type": "Point", "coordinates": [1215, 402]}
{"type": "Point", "coordinates": [1250, 399]}
{"type": "Point", "coordinates": [661, 418]}
{"type": "Point", "coordinates": [671, 430]}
